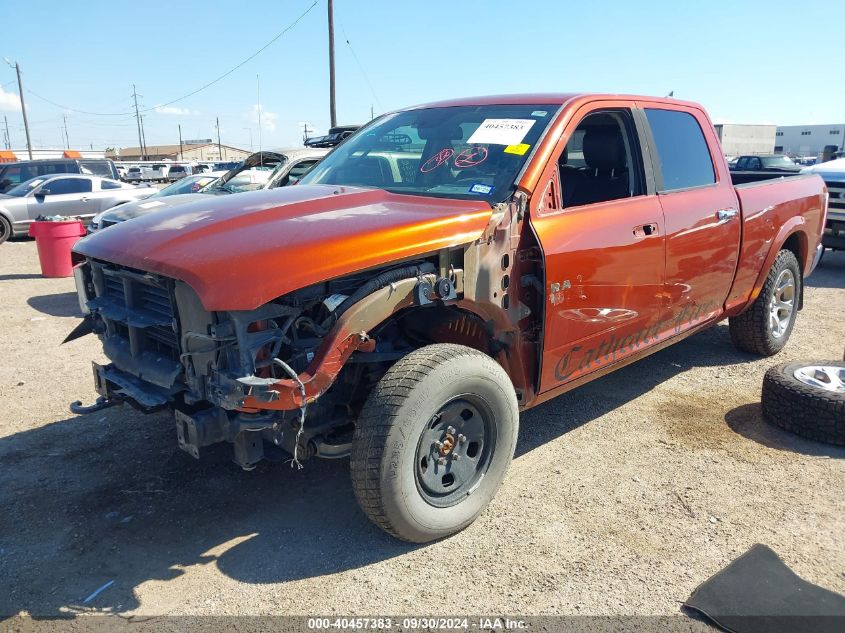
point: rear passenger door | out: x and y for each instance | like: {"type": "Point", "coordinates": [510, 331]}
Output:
{"type": "Point", "coordinates": [701, 212]}
{"type": "Point", "coordinates": [601, 230]}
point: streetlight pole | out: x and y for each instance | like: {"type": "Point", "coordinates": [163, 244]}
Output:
{"type": "Point", "coordinates": [181, 151]}
{"type": "Point", "coordinates": [17, 68]}
{"type": "Point", "coordinates": [219, 146]}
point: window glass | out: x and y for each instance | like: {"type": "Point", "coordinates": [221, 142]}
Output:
{"type": "Point", "coordinates": [601, 160]}
{"type": "Point", "coordinates": [68, 185]}
{"type": "Point", "coordinates": [110, 184]}
{"type": "Point", "coordinates": [96, 167]}
{"type": "Point", "coordinates": [469, 152]}
{"type": "Point", "coordinates": [681, 149]}
{"type": "Point", "coordinates": [300, 169]}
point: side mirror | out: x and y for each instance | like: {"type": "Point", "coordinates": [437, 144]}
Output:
{"type": "Point", "coordinates": [42, 192]}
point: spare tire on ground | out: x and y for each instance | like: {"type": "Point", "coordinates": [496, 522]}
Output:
{"type": "Point", "coordinates": [807, 398]}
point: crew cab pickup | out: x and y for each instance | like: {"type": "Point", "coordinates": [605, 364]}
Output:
{"type": "Point", "coordinates": [443, 269]}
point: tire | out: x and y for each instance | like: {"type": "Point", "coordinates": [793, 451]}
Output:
{"type": "Point", "coordinates": [397, 474]}
{"type": "Point", "coordinates": [757, 330]}
{"type": "Point", "coordinates": [806, 410]}
{"type": "Point", "coordinates": [5, 229]}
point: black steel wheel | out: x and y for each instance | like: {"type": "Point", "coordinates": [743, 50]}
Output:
{"type": "Point", "coordinates": [434, 442]}
{"type": "Point", "coordinates": [5, 229]}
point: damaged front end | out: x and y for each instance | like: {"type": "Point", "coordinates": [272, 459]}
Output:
{"type": "Point", "coordinates": [253, 378]}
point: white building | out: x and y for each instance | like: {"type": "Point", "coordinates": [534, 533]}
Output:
{"type": "Point", "coordinates": [741, 139]}
{"type": "Point", "coordinates": [809, 140]}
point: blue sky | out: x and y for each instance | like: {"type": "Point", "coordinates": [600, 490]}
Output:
{"type": "Point", "coordinates": [748, 62]}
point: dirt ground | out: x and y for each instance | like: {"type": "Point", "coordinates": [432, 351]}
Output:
{"type": "Point", "coordinates": [624, 495]}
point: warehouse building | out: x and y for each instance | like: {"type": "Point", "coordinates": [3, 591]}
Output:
{"type": "Point", "coordinates": [207, 152]}
{"type": "Point", "coordinates": [810, 140]}
{"type": "Point", "coordinates": [741, 139]}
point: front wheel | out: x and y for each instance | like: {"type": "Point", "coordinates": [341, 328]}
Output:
{"type": "Point", "coordinates": [5, 229]}
{"type": "Point", "coordinates": [434, 441]}
{"type": "Point", "coordinates": [764, 328]}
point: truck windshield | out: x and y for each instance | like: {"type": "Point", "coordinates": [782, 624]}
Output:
{"type": "Point", "coordinates": [467, 152]}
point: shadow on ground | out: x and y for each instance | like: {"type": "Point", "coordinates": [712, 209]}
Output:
{"type": "Point", "coordinates": [63, 304]}
{"type": "Point", "coordinates": [747, 420]}
{"type": "Point", "coordinates": [20, 276]}
{"type": "Point", "coordinates": [830, 272]}
{"type": "Point", "coordinates": [108, 497]}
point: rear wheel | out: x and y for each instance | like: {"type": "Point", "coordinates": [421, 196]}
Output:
{"type": "Point", "coordinates": [433, 442]}
{"type": "Point", "coordinates": [765, 327]}
{"type": "Point", "coordinates": [5, 229]}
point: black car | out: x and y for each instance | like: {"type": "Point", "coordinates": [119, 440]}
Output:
{"type": "Point", "coordinates": [12, 174]}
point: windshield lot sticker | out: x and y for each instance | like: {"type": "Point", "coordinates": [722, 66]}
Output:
{"type": "Point", "coordinates": [539, 113]}
{"type": "Point", "coordinates": [501, 131]}
{"type": "Point", "coordinates": [438, 159]}
{"type": "Point", "coordinates": [479, 188]}
{"type": "Point", "coordinates": [471, 157]}
{"type": "Point", "coordinates": [517, 149]}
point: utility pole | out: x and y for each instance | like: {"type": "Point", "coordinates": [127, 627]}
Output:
{"type": "Point", "coordinates": [332, 108]}
{"type": "Point", "coordinates": [17, 68]}
{"type": "Point", "coordinates": [372, 114]}
{"type": "Point", "coordinates": [8, 138]}
{"type": "Point", "coordinates": [181, 151]}
{"type": "Point", "coordinates": [67, 138]}
{"type": "Point", "coordinates": [138, 120]}
{"type": "Point", "coordinates": [144, 155]}
{"type": "Point", "coordinates": [219, 146]}
{"type": "Point", "coordinates": [305, 131]}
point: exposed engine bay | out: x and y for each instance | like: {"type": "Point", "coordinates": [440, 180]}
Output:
{"type": "Point", "coordinates": [220, 371]}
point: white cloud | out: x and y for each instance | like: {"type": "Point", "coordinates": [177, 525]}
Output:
{"type": "Point", "coordinates": [175, 110]}
{"type": "Point", "coordinates": [268, 119]}
{"type": "Point", "coordinates": [9, 101]}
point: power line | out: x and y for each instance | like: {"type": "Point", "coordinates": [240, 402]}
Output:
{"type": "Point", "coordinates": [198, 90]}
{"type": "Point", "coordinates": [360, 67]}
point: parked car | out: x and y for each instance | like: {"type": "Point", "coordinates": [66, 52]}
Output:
{"type": "Point", "coordinates": [833, 174]}
{"type": "Point", "coordinates": [66, 194]}
{"type": "Point", "coordinates": [335, 136]}
{"type": "Point", "coordinates": [121, 172]}
{"type": "Point", "coordinates": [754, 168]}
{"type": "Point", "coordinates": [523, 246]}
{"type": "Point", "coordinates": [177, 172]}
{"type": "Point", "coordinates": [12, 174]}
{"type": "Point", "coordinates": [156, 173]}
{"type": "Point", "coordinates": [136, 173]}
{"type": "Point", "coordinates": [176, 193]}
{"type": "Point", "coordinates": [262, 170]}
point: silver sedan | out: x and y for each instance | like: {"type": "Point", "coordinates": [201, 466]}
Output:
{"type": "Point", "coordinates": [71, 195]}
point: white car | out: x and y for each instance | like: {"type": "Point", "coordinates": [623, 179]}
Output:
{"type": "Point", "coordinates": [71, 195]}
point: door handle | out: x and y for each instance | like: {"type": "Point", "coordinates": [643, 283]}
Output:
{"type": "Point", "coordinates": [84, 198]}
{"type": "Point", "coordinates": [645, 230]}
{"type": "Point", "coordinates": [726, 214]}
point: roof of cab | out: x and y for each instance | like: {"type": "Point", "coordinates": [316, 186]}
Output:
{"type": "Point", "coordinates": [548, 98]}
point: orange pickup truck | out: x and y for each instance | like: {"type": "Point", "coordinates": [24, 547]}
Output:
{"type": "Point", "coordinates": [446, 267]}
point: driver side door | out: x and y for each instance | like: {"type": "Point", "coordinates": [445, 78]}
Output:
{"type": "Point", "coordinates": [63, 196]}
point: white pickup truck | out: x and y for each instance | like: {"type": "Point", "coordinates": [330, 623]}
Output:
{"type": "Point", "coordinates": [833, 174]}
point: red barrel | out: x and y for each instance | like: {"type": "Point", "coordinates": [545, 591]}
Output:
{"type": "Point", "coordinates": [55, 241]}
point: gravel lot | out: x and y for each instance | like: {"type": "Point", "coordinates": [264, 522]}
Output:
{"type": "Point", "coordinates": [625, 494]}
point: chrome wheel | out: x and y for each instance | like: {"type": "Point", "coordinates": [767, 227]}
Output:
{"type": "Point", "coordinates": [782, 303]}
{"type": "Point", "coordinates": [824, 377]}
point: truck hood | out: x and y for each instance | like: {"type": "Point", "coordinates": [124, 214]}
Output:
{"type": "Point", "coordinates": [241, 251]}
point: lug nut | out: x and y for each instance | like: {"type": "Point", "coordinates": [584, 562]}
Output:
{"type": "Point", "coordinates": [462, 438]}
{"type": "Point", "coordinates": [451, 430]}
{"type": "Point", "coordinates": [455, 456]}
{"type": "Point", "coordinates": [438, 445]}
{"type": "Point", "coordinates": [442, 461]}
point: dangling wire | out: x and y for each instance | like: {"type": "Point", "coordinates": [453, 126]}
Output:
{"type": "Point", "coordinates": [290, 372]}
